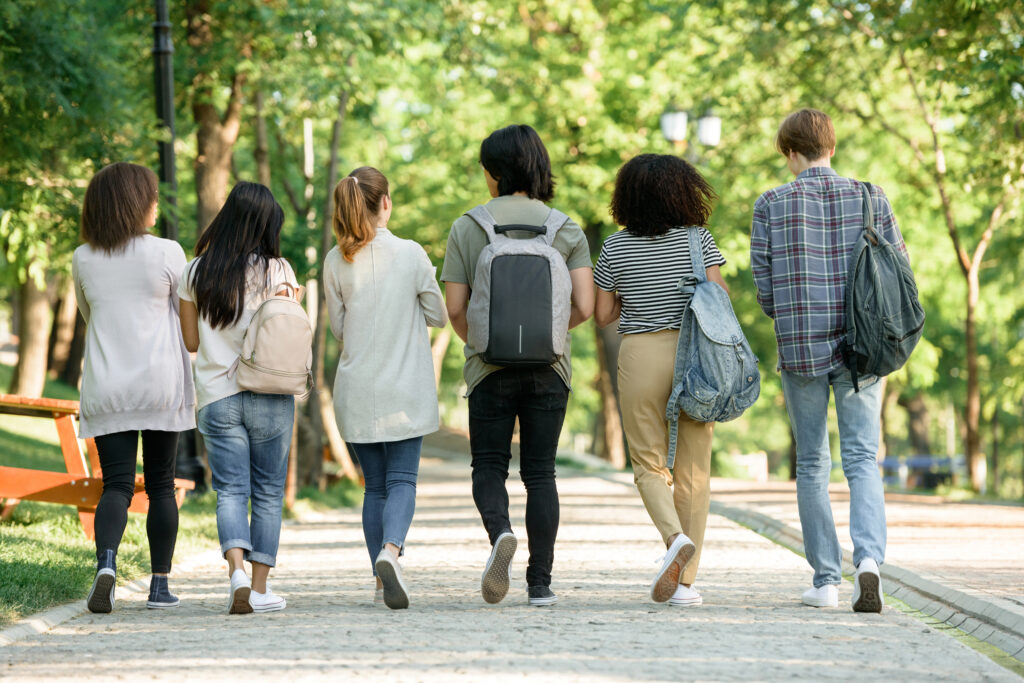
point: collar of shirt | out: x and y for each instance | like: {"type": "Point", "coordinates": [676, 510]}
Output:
{"type": "Point", "coordinates": [814, 171]}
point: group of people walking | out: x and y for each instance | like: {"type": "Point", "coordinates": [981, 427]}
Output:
{"type": "Point", "coordinates": [148, 309]}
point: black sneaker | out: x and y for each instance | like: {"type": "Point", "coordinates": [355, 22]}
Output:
{"type": "Point", "coordinates": [541, 596]}
{"type": "Point", "coordinates": [101, 595]}
{"type": "Point", "coordinates": [160, 596]}
{"type": "Point", "coordinates": [494, 582]}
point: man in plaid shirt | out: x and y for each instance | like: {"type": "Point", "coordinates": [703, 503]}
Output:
{"type": "Point", "coordinates": [801, 238]}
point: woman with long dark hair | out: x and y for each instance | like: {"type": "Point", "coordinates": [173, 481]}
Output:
{"type": "Point", "coordinates": [657, 196]}
{"type": "Point", "coordinates": [238, 265]}
{"type": "Point", "coordinates": [517, 171]}
{"type": "Point", "coordinates": [136, 377]}
{"type": "Point", "coordinates": [382, 294]}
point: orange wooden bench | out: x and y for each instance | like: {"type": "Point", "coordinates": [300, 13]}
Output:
{"type": "Point", "coordinates": [76, 487]}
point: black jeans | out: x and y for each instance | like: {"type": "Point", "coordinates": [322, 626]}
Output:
{"type": "Point", "coordinates": [537, 396]}
{"type": "Point", "coordinates": [118, 453]}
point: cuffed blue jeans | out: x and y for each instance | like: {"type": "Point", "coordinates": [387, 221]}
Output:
{"type": "Point", "coordinates": [390, 469]}
{"type": "Point", "coordinates": [859, 415]}
{"type": "Point", "coordinates": [247, 436]}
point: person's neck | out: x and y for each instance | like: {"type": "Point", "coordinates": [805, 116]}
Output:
{"type": "Point", "coordinates": [802, 164]}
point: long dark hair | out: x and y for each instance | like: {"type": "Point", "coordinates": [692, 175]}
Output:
{"type": "Point", "coordinates": [246, 232]}
{"type": "Point", "coordinates": [517, 159]}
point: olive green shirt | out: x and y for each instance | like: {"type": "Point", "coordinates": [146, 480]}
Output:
{"type": "Point", "coordinates": [467, 239]}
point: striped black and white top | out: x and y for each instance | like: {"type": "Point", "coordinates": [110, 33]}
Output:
{"type": "Point", "coordinates": [645, 271]}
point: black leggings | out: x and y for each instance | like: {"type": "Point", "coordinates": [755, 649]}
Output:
{"type": "Point", "coordinates": [118, 454]}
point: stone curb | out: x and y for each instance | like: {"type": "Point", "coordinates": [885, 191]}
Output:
{"type": "Point", "coordinates": [40, 622]}
{"type": "Point", "coordinates": [980, 618]}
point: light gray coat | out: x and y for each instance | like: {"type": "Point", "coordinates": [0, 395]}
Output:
{"type": "Point", "coordinates": [380, 306]}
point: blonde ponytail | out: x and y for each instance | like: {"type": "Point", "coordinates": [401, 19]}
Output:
{"type": "Point", "coordinates": [357, 199]}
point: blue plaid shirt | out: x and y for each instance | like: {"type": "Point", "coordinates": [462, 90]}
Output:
{"type": "Point", "coordinates": [800, 242]}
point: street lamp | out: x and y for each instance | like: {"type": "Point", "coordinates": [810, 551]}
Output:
{"type": "Point", "coordinates": [674, 126]}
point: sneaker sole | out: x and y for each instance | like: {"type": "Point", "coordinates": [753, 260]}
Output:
{"type": "Point", "coordinates": [239, 602]}
{"type": "Point", "coordinates": [395, 595]}
{"type": "Point", "coordinates": [665, 582]}
{"type": "Point", "coordinates": [820, 603]}
{"type": "Point", "coordinates": [268, 608]}
{"type": "Point", "coordinates": [494, 583]}
{"type": "Point", "coordinates": [543, 602]}
{"type": "Point", "coordinates": [686, 603]}
{"type": "Point", "coordinates": [101, 595]}
{"type": "Point", "coordinates": [870, 599]}
{"type": "Point", "coordinates": [162, 605]}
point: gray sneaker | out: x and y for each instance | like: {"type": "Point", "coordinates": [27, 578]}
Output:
{"type": "Point", "coordinates": [494, 582]}
{"type": "Point", "coordinates": [541, 596]}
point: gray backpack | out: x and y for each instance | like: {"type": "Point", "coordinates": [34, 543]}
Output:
{"type": "Point", "coordinates": [716, 376]}
{"type": "Point", "coordinates": [518, 313]}
{"type": "Point", "coordinates": [884, 317]}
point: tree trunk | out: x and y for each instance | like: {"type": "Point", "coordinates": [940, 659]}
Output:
{"type": "Point", "coordinates": [262, 151]}
{"type": "Point", "coordinates": [62, 331]}
{"type": "Point", "coordinates": [995, 450]}
{"type": "Point", "coordinates": [34, 322]}
{"type": "Point", "coordinates": [216, 134]}
{"type": "Point", "coordinates": [610, 442]}
{"type": "Point", "coordinates": [72, 374]}
{"type": "Point", "coordinates": [918, 423]}
{"type": "Point", "coordinates": [438, 350]}
{"type": "Point", "coordinates": [792, 454]}
{"type": "Point", "coordinates": [318, 412]}
{"type": "Point", "coordinates": [972, 411]}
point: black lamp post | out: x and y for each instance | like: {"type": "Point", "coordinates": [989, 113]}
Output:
{"type": "Point", "coordinates": [163, 76]}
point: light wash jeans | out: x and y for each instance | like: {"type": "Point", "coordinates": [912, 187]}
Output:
{"type": "Point", "coordinates": [247, 436]}
{"type": "Point", "coordinates": [390, 469]}
{"type": "Point", "coordinates": [859, 424]}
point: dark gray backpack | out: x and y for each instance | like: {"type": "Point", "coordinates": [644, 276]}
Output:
{"type": "Point", "coordinates": [518, 312]}
{"type": "Point", "coordinates": [716, 376]}
{"type": "Point", "coordinates": [884, 317]}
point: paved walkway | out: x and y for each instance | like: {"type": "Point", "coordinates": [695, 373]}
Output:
{"type": "Point", "coordinates": [604, 628]}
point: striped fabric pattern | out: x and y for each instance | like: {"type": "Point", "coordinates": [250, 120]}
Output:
{"type": "Point", "coordinates": [645, 271]}
{"type": "Point", "coordinates": [800, 242]}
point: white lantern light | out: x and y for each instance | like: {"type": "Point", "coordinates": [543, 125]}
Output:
{"type": "Point", "coordinates": [673, 125]}
{"type": "Point", "coordinates": [709, 129]}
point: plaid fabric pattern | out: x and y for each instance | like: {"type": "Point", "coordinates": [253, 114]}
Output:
{"type": "Point", "coordinates": [800, 241]}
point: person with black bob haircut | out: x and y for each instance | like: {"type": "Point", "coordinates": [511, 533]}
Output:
{"type": "Point", "coordinates": [137, 378]}
{"type": "Point", "coordinates": [238, 266]}
{"type": "Point", "coordinates": [517, 171]}
{"type": "Point", "coordinates": [656, 198]}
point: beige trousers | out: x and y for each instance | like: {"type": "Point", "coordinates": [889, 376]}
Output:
{"type": "Point", "coordinates": [677, 500]}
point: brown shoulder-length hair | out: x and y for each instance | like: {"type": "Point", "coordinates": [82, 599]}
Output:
{"type": "Point", "coordinates": [357, 200]}
{"type": "Point", "coordinates": [117, 203]}
{"type": "Point", "coordinates": [656, 192]}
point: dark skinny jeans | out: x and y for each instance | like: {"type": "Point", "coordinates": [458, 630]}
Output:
{"type": "Point", "coordinates": [118, 453]}
{"type": "Point", "coordinates": [537, 396]}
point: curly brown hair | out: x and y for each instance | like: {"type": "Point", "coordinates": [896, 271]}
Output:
{"type": "Point", "coordinates": [657, 192]}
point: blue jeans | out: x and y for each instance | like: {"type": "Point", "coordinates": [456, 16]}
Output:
{"type": "Point", "coordinates": [390, 469]}
{"type": "Point", "coordinates": [859, 417]}
{"type": "Point", "coordinates": [247, 436]}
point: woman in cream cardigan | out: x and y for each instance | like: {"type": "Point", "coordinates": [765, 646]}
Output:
{"type": "Point", "coordinates": [381, 296]}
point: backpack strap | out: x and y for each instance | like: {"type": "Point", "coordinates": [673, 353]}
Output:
{"type": "Point", "coordinates": [869, 213]}
{"type": "Point", "coordinates": [482, 217]}
{"type": "Point", "coordinates": [696, 255]}
{"type": "Point", "coordinates": [552, 224]}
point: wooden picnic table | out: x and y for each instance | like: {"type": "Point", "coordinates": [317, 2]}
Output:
{"type": "Point", "coordinates": [75, 486]}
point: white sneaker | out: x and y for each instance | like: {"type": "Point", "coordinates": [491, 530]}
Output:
{"type": "Point", "coordinates": [822, 596]}
{"type": "Point", "coordinates": [672, 564]}
{"type": "Point", "coordinates": [867, 587]}
{"type": "Point", "coordinates": [390, 572]}
{"type": "Point", "coordinates": [686, 596]}
{"type": "Point", "coordinates": [266, 602]}
{"type": "Point", "coordinates": [238, 602]}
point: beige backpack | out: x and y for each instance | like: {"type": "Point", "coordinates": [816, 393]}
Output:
{"type": "Point", "coordinates": [277, 349]}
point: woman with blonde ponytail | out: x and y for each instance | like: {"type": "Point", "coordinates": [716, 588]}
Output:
{"type": "Point", "coordinates": [382, 294]}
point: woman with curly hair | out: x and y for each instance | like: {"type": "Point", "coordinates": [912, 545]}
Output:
{"type": "Point", "coordinates": [656, 198]}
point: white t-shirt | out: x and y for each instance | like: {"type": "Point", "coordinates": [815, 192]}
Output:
{"type": "Point", "coordinates": [219, 348]}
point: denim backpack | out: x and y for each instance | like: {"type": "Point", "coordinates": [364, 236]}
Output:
{"type": "Point", "coordinates": [884, 317]}
{"type": "Point", "coordinates": [716, 376]}
{"type": "Point", "coordinates": [518, 312]}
